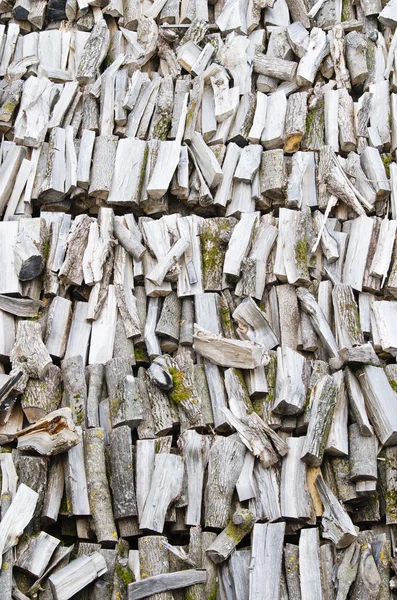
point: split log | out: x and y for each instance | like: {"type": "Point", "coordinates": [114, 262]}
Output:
{"type": "Point", "coordinates": [71, 271]}
{"type": "Point", "coordinates": [337, 443]}
{"type": "Point", "coordinates": [42, 396]}
{"type": "Point", "coordinates": [75, 387]}
{"type": "Point", "coordinates": [105, 149]}
{"type": "Point", "coordinates": [195, 452]}
{"type": "Point", "coordinates": [29, 353]}
{"type": "Point", "coordinates": [36, 555]}
{"type": "Point", "coordinates": [156, 584]}
{"type": "Point", "coordinates": [54, 492]}
{"type": "Point", "coordinates": [17, 517]}
{"type": "Point", "coordinates": [58, 324]}
{"type": "Point", "coordinates": [309, 565]}
{"type": "Point", "coordinates": [28, 259]}
{"type": "Point", "coordinates": [322, 403]}
{"type": "Point", "coordinates": [291, 565]}
{"type": "Point", "coordinates": [68, 581]}
{"type": "Point", "coordinates": [290, 385]}
{"type": "Point", "coordinates": [309, 64]}
{"type": "Point", "coordinates": [362, 455]}
{"type": "Point", "coordinates": [319, 321]}
{"type": "Point", "coordinates": [368, 580]}
{"type": "Point", "coordinates": [49, 436]}
{"type": "Point", "coordinates": [224, 466]}
{"type": "Point", "coordinates": [267, 549]}
{"type": "Point", "coordinates": [75, 480]}
{"type": "Point", "coordinates": [122, 480]}
{"type": "Point", "coordinates": [295, 498]}
{"type": "Point", "coordinates": [379, 397]}
{"type": "Point", "coordinates": [336, 523]}
{"type": "Point", "coordinates": [228, 353]}
{"type": "Point", "coordinates": [159, 497]}
{"type": "Point", "coordinates": [98, 488]}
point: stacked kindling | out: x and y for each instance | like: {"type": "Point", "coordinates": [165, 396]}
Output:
{"type": "Point", "coordinates": [198, 299]}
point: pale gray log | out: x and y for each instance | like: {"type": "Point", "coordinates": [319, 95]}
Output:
{"type": "Point", "coordinates": [156, 584]}
{"type": "Point", "coordinates": [336, 523]}
{"type": "Point", "coordinates": [322, 409]}
{"type": "Point", "coordinates": [266, 560]}
{"type": "Point", "coordinates": [309, 565]}
{"type": "Point", "coordinates": [225, 462]}
{"type": "Point", "coordinates": [98, 488]}
{"type": "Point", "coordinates": [76, 482]}
{"type": "Point", "coordinates": [362, 455]}
{"type": "Point", "coordinates": [159, 497]}
{"type": "Point", "coordinates": [296, 502]}
{"type": "Point", "coordinates": [77, 575]}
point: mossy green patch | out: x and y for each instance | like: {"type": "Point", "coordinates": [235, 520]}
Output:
{"type": "Point", "coordinates": [162, 128]}
{"type": "Point", "coordinates": [115, 406]}
{"type": "Point", "coordinates": [180, 391]}
{"type": "Point", "coordinates": [139, 354]}
{"type": "Point", "coordinates": [225, 315]}
{"type": "Point", "coordinates": [301, 254]}
{"type": "Point", "coordinates": [386, 159]}
{"type": "Point", "coordinates": [393, 384]}
{"type": "Point", "coordinates": [212, 257]}
{"type": "Point", "coordinates": [125, 574]}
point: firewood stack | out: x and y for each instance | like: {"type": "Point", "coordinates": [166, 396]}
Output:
{"type": "Point", "coordinates": [198, 299]}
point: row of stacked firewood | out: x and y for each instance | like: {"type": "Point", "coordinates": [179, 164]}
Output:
{"type": "Point", "coordinates": [198, 284]}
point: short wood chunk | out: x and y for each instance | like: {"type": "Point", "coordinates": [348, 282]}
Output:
{"type": "Point", "coordinates": [76, 481]}
{"type": "Point", "coordinates": [226, 352]}
{"type": "Point", "coordinates": [337, 443]}
{"type": "Point", "coordinates": [28, 259]}
{"type": "Point", "coordinates": [362, 455]}
{"type": "Point", "coordinates": [322, 401]}
{"type": "Point", "coordinates": [29, 353]}
{"type": "Point", "coordinates": [357, 402]}
{"type": "Point", "coordinates": [54, 434]}
{"type": "Point", "coordinates": [17, 517]}
{"type": "Point", "coordinates": [336, 523]}
{"type": "Point", "coordinates": [233, 534]}
{"type": "Point", "coordinates": [290, 383]}
{"type": "Point", "coordinates": [58, 324]}
{"type": "Point", "coordinates": [296, 502]}
{"type": "Point", "coordinates": [226, 459]}
{"type": "Point", "coordinates": [165, 488]}
{"type": "Point", "coordinates": [37, 554]}
{"type": "Point", "coordinates": [68, 581]}
{"type": "Point", "coordinates": [195, 449]}
{"type": "Point", "coordinates": [380, 401]}
{"type": "Point", "coordinates": [156, 584]}
{"type": "Point", "coordinates": [71, 271]}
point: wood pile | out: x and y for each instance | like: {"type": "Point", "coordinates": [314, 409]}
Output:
{"type": "Point", "coordinates": [198, 299]}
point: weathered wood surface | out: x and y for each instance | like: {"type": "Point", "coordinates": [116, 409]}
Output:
{"type": "Point", "coordinates": [198, 202]}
